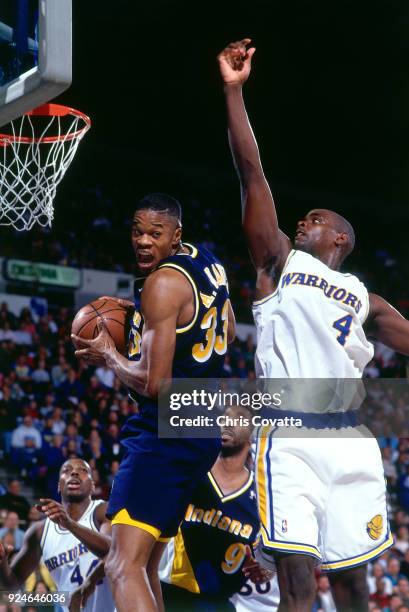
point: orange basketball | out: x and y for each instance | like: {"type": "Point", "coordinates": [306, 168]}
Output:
{"type": "Point", "coordinates": [115, 317]}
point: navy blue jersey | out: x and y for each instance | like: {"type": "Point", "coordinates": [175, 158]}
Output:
{"type": "Point", "coordinates": [208, 552]}
{"type": "Point", "coordinates": [201, 345]}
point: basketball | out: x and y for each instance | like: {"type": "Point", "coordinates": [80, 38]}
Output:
{"type": "Point", "coordinates": [115, 317]}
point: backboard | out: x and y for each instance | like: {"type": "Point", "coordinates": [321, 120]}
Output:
{"type": "Point", "coordinates": [35, 53]}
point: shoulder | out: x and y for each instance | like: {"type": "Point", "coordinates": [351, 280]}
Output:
{"type": "Point", "coordinates": [166, 283]}
{"type": "Point", "coordinates": [98, 514]}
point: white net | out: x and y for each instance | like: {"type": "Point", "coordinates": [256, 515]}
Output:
{"type": "Point", "coordinates": [34, 156]}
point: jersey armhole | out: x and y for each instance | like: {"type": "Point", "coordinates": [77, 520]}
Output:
{"type": "Point", "coordinates": [270, 295]}
{"type": "Point", "coordinates": [185, 328]}
{"type": "Point", "coordinates": [46, 527]}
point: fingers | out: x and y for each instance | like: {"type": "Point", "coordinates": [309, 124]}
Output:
{"type": "Point", "coordinates": [80, 341]}
{"type": "Point", "coordinates": [236, 54]}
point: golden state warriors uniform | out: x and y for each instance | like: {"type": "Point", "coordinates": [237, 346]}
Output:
{"type": "Point", "coordinates": [157, 476]}
{"type": "Point", "coordinates": [207, 555]}
{"type": "Point", "coordinates": [70, 562]}
{"type": "Point", "coordinates": [321, 494]}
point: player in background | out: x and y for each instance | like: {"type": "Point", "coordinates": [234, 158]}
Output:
{"type": "Point", "coordinates": [321, 500]}
{"type": "Point", "coordinates": [181, 327]}
{"type": "Point", "coordinates": [70, 541]}
{"type": "Point", "coordinates": [209, 559]}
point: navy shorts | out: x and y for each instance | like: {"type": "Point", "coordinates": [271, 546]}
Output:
{"type": "Point", "coordinates": [155, 482]}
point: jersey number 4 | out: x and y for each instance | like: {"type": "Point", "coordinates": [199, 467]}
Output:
{"type": "Point", "coordinates": [343, 325]}
{"type": "Point", "coordinates": [76, 574]}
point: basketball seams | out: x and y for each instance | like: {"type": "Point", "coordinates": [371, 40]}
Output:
{"type": "Point", "coordinates": [99, 314]}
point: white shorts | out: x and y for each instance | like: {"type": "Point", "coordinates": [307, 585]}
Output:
{"type": "Point", "coordinates": [322, 496]}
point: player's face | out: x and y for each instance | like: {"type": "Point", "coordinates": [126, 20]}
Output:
{"type": "Point", "coordinates": [237, 429]}
{"type": "Point", "coordinates": [316, 233]}
{"type": "Point", "coordinates": [75, 482]}
{"type": "Point", "coordinates": [154, 237]}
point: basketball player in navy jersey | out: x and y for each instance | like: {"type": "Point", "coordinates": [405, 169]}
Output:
{"type": "Point", "coordinates": [181, 327]}
{"type": "Point", "coordinates": [321, 499]}
{"type": "Point", "coordinates": [220, 525]}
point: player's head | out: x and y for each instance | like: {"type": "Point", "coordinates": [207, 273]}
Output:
{"type": "Point", "coordinates": [156, 230]}
{"type": "Point", "coordinates": [75, 483]}
{"type": "Point", "coordinates": [324, 232]}
{"type": "Point", "coordinates": [237, 431]}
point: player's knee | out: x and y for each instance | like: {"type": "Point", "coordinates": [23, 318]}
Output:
{"type": "Point", "coordinates": [297, 580]}
{"type": "Point", "coordinates": [119, 565]}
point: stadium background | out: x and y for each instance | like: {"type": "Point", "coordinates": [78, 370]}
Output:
{"type": "Point", "coordinates": [328, 99]}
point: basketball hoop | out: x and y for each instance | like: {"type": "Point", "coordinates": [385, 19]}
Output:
{"type": "Point", "coordinates": [34, 156]}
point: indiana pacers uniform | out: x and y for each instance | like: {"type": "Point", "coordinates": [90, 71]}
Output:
{"type": "Point", "coordinates": [318, 495]}
{"type": "Point", "coordinates": [206, 556]}
{"type": "Point", "coordinates": [70, 562]}
{"type": "Point", "coordinates": [156, 477]}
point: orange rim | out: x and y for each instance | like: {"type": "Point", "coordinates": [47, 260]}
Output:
{"type": "Point", "coordinates": [49, 110]}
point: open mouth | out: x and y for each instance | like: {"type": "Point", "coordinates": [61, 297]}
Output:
{"type": "Point", "coordinates": [144, 259]}
{"type": "Point", "coordinates": [226, 436]}
{"type": "Point", "coordinates": [299, 234]}
{"type": "Point", "coordinates": [73, 484]}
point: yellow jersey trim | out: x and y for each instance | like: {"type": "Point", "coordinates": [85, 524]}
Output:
{"type": "Point", "coordinates": [164, 540]}
{"type": "Point", "coordinates": [194, 252]}
{"type": "Point", "coordinates": [226, 498]}
{"type": "Point", "coordinates": [122, 518]}
{"type": "Point", "coordinates": [360, 558]}
{"type": "Point", "coordinates": [181, 330]}
{"type": "Point", "coordinates": [182, 574]}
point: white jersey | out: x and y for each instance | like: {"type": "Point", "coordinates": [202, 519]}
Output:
{"type": "Point", "coordinates": [311, 326]}
{"type": "Point", "coordinates": [70, 562]}
{"type": "Point", "coordinates": [257, 598]}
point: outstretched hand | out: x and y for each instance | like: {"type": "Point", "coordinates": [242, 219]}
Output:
{"type": "Point", "coordinates": [253, 570]}
{"type": "Point", "coordinates": [235, 62]}
{"type": "Point", "coordinates": [95, 351]}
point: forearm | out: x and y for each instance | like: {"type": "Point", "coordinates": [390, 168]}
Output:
{"type": "Point", "coordinates": [242, 141]}
{"type": "Point", "coordinates": [96, 542]}
{"type": "Point", "coordinates": [130, 373]}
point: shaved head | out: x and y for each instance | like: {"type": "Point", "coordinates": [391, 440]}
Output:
{"type": "Point", "coordinates": [344, 227]}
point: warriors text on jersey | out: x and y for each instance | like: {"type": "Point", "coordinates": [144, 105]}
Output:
{"type": "Point", "coordinates": [311, 326]}
{"type": "Point", "coordinates": [70, 562]}
{"type": "Point", "coordinates": [207, 554]}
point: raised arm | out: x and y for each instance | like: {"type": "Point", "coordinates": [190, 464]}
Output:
{"type": "Point", "coordinates": [387, 325]}
{"type": "Point", "coordinates": [13, 575]}
{"type": "Point", "coordinates": [268, 245]}
{"type": "Point", "coordinates": [165, 295]}
{"type": "Point", "coordinates": [98, 542]}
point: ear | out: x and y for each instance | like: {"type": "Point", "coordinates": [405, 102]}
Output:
{"type": "Point", "coordinates": [341, 239]}
{"type": "Point", "coordinates": [177, 235]}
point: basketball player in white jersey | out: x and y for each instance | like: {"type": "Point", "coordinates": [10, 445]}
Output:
{"type": "Point", "coordinates": [70, 541]}
{"type": "Point", "coordinates": [321, 500]}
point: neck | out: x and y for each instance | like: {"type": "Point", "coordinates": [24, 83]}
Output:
{"type": "Point", "coordinates": [75, 510]}
{"type": "Point", "coordinates": [232, 463]}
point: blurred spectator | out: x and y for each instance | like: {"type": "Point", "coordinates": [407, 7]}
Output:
{"type": "Point", "coordinates": [13, 501]}
{"type": "Point", "coordinates": [11, 526]}
{"type": "Point", "coordinates": [26, 433]}
{"type": "Point", "coordinates": [105, 376]}
{"type": "Point", "coordinates": [325, 601]}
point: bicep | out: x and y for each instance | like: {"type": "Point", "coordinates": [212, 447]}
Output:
{"type": "Point", "coordinates": [387, 325]}
{"type": "Point", "coordinates": [231, 328]}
